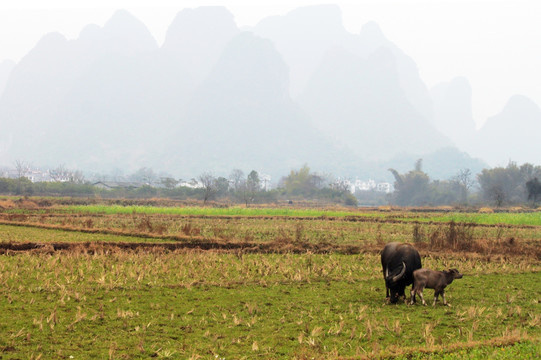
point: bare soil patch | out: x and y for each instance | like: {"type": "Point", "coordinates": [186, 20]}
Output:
{"type": "Point", "coordinates": [277, 247]}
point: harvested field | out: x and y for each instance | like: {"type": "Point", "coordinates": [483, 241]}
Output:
{"type": "Point", "coordinates": [98, 285]}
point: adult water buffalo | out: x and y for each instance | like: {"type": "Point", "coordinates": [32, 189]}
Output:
{"type": "Point", "coordinates": [398, 261]}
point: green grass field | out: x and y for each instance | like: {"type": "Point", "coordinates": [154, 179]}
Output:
{"type": "Point", "coordinates": [208, 211]}
{"type": "Point", "coordinates": [533, 218]}
{"type": "Point", "coordinates": [185, 304]}
{"type": "Point", "coordinates": [97, 301]}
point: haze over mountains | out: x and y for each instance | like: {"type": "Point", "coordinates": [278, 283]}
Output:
{"type": "Point", "coordinates": [293, 89]}
{"type": "Point", "coordinates": [6, 67]}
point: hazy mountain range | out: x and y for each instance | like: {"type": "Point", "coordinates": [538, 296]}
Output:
{"type": "Point", "coordinates": [293, 89]}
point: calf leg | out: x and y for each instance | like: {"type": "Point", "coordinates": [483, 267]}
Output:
{"type": "Point", "coordinates": [422, 298]}
{"type": "Point", "coordinates": [436, 294]}
{"type": "Point", "coordinates": [412, 293]}
{"type": "Point", "coordinates": [443, 296]}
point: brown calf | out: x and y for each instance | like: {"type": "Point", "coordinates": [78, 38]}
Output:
{"type": "Point", "coordinates": [437, 280]}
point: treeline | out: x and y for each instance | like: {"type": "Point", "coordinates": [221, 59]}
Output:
{"type": "Point", "coordinates": [500, 186]}
{"type": "Point", "coordinates": [248, 189]}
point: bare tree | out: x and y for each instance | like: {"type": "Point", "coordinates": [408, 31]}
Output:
{"type": "Point", "coordinates": [465, 181]}
{"type": "Point", "coordinates": [77, 177]}
{"type": "Point", "coordinates": [22, 167]}
{"type": "Point", "coordinates": [341, 185]}
{"type": "Point", "coordinates": [237, 179]}
{"type": "Point", "coordinates": [464, 178]}
{"type": "Point", "coordinates": [144, 175]}
{"type": "Point", "coordinates": [209, 185]}
{"type": "Point", "coordinates": [59, 174]}
{"type": "Point", "coordinates": [63, 174]}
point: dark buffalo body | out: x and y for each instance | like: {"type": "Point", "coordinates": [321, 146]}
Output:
{"type": "Point", "coordinates": [399, 261]}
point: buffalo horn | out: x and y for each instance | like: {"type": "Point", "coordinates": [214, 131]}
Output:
{"type": "Point", "coordinates": [402, 272]}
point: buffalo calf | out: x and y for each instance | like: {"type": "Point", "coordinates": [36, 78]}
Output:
{"type": "Point", "coordinates": [437, 280]}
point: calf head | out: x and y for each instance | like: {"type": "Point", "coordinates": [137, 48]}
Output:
{"type": "Point", "coordinates": [455, 273]}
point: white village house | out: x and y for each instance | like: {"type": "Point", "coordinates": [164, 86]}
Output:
{"type": "Point", "coordinates": [371, 185]}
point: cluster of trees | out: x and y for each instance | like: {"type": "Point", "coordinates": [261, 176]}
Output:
{"type": "Point", "coordinates": [415, 188]}
{"type": "Point", "coordinates": [497, 186]}
{"type": "Point", "coordinates": [238, 187]}
{"type": "Point", "coordinates": [511, 185]}
{"type": "Point", "coordinates": [305, 184]}
{"type": "Point", "coordinates": [299, 184]}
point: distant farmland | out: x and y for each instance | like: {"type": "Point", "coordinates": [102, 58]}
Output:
{"type": "Point", "coordinates": [105, 281]}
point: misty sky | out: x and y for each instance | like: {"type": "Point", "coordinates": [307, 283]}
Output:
{"type": "Point", "coordinates": [495, 44]}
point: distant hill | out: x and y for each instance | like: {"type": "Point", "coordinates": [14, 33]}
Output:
{"type": "Point", "coordinates": [48, 109]}
{"type": "Point", "coordinates": [360, 102]}
{"type": "Point", "coordinates": [359, 89]}
{"type": "Point", "coordinates": [197, 37]}
{"type": "Point", "coordinates": [304, 37]}
{"type": "Point", "coordinates": [511, 135]}
{"type": "Point", "coordinates": [242, 117]}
